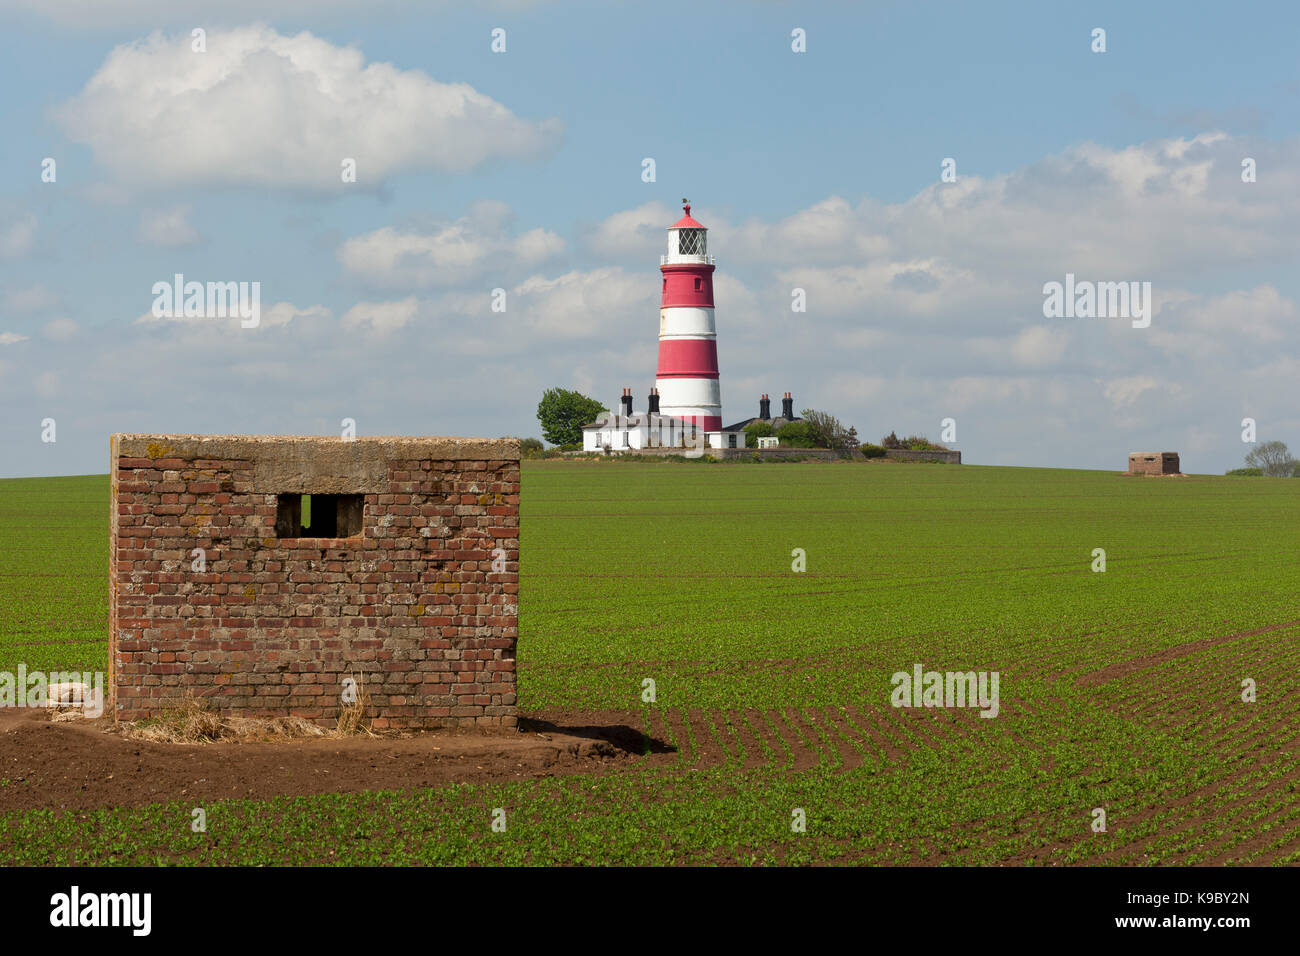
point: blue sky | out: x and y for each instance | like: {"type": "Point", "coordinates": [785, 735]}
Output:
{"type": "Point", "coordinates": [817, 170]}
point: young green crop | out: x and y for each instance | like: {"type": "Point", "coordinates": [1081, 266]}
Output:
{"type": "Point", "coordinates": [1120, 690]}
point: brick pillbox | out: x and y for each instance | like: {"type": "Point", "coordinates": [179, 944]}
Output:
{"type": "Point", "coordinates": [385, 575]}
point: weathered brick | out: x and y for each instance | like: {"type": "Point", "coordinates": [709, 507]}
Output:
{"type": "Point", "coordinates": [409, 608]}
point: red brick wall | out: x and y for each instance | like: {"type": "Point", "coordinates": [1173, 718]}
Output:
{"type": "Point", "coordinates": [410, 607]}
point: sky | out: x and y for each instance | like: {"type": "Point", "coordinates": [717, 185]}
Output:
{"type": "Point", "coordinates": [1171, 157]}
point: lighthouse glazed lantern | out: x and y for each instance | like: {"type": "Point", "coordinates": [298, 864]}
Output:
{"type": "Point", "coordinates": [687, 377]}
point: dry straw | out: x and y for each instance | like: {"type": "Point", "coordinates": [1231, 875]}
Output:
{"type": "Point", "coordinates": [188, 721]}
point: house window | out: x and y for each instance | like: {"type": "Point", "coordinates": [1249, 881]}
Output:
{"type": "Point", "coordinates": [318, 516]}
{"type": "Point", "coordinates": [731, 440]}
{"type": "Point", "coordinates": [625, 439]}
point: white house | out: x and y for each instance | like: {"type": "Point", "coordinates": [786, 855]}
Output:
{"type": "Point", "coordinates": [615, 432]}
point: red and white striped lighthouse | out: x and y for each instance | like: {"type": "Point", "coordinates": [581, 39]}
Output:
{"type": "Point", "coordinates": [687, 378]}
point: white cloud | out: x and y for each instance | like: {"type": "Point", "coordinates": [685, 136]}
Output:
{"type": "Point", "coordinates": [168, 227]}
{"type": "Point", "coordinates": [9, 338]}
{"type": "Point", "coordinates": [638, 232]}
{"type": "Point", "coordinates": [1039, 345]}
{"type": "Point", "coordinates": [46, 385]}
{"type": "Point", "coordinates": [476, 244]}
{"type": "Point", "coordinates": [282, 313]}
{"type": "Point", "coordinates": [31, 298]}
{"type": "Point", "coordinates": [592, 304]}
{"type": "Point", "coordinates": [1233, 327]}
{"type": "Point", "coordinates": [17, 237]}
{"type": "Point", "coordinates": [381, 317]}
{"type": "Point", "coordinates": [278, 314]}
{"type": "Point", "coordinates": [1122, 392]}
{"type": "Point", "coordinates": [266, 109]}
{"type": "Point", "coordinates": [61, 330]}
{"type": "Point", "coordinates": [980, 249]}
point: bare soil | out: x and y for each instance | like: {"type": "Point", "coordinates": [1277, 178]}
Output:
{"type": "Point", "coordinates": [83, 764]}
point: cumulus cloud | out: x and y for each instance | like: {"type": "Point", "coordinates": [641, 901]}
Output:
{"type": "Point", "coordinates": [32, 298]}
{"type": "Point", "coordinates": [596, 309]}
{"type": "Point", "coordinates": [168, 227]}
{"type": "Point", "coordinates": [1039, 345]}
{"type": "Point", "coordinates": [61, 330]}
{"type": "Point", "coordinates": [449, 253]}
{"type": "Point", "coordinates": [1233, 327]}
{"type": "Point", "coordinates": [46, 384]}
{"type": "Point", "coordinates": [637, 232]}
{"type": "Point", "coordinates": [578, 304]}
{"type": "Point", "coordinates": [381, 317]}
{"type": "Point", "coordinates": [277, 314]}
{"type": "Point", "coordinates": [260, 108]}
{"type": "Point", "coordinates": [1125, 391]}
{"type": "Point", "coordinates": [17, 236]}
{"type": "Point", "coordinates": [1167, 210]}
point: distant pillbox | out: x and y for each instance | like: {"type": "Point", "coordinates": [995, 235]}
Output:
{"type": "Point", "coordinates": [273, 576]}
{"type": "Point", "coordinates": [1153, 463]}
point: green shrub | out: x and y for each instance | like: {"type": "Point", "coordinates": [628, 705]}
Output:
{"type": "Point", "coordinates": [795, 435]}
{"type": "Point", "coordinates": [530, 447]}
{"type": "Point", "coordinates": [873, 451]}
{"type": "Point", "coordinates": [921, 443]}
{"type": "Point", "coordinates": [1246, 473]}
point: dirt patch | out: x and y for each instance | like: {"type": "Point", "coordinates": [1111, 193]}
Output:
{"type": "Point", "coordinates": [1124, 668]}
{"type": "Point", "coordinates": [82, 764]}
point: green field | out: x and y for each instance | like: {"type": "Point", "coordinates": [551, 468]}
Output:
{"type": "Point", "coordinates": [1118, 690]}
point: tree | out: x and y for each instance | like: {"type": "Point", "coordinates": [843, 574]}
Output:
{"type": "Point", "coordinates": [562, 413]}
{"type": "Point", "coordinates": [795, 435]}
{"type": "Point", "coordinates": [530, 447]}
{"type": "Point", "coordinates": [826, 431]}
{"type": "Point", "coordinates": [1273, 459]}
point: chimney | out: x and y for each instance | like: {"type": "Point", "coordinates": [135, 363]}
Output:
{"type": "Point", "coordinates": [787, 407]}
{"type": "Point", "coordinates": [627, 402]}
{"type": "Point", "coordinates": [764, 407]}
{"type": "Point", "coordinates": [653, 405]}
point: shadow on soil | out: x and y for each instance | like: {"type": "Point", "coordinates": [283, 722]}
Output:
{"type": "Point", "coordinates": [627, 739]}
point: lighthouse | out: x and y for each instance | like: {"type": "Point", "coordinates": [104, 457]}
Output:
{"type": "Point", "coordinates": [684, 411]}
{"type": "Point", "coordinates": [687, 377]}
